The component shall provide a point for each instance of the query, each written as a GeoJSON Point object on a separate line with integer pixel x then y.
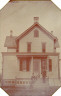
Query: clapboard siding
{"type": "Point", "coordinates": [36, 42]}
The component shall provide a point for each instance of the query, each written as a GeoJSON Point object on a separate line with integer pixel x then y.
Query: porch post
{"type": "Point", "coordinates": [47, 67]}
{"type": "Point", "coordinates": [40, 70]}
{"type": "Point", "coordinates": [32, 65]}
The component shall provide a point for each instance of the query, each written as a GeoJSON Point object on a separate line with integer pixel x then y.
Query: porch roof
{"type": "Point", "coordinates": [29, 56]}
{"type": "Point", "coordinates": [30, 53]}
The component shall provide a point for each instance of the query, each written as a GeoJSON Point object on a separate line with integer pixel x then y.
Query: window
{"type": "Point", "coordinates": [50, 65]}
{"type": "Point", "coordinates": [29, 47]}
{"type": "Point", "coordinates": [43, 47]}
{"type": "Point", "coordinates": [36, 33]}
{"type": "Point", "coordinates": [25, 64]}
{"type": "Point", "coordinates": [22, 65]}
{"type": "Point", "coordinates": [36, 63]}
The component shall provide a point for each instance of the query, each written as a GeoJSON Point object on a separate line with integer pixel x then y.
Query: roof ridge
{"type": "Point", "coordinates": [36, 23]}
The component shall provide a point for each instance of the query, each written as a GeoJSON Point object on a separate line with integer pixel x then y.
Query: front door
{"type": "Point", "coordinates": [36, 67]}
{"type": "Point", "coordinates": [43, 68]}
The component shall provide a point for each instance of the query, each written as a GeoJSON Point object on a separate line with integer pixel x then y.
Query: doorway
{"type": "Point", "coordinates": [36, 67]}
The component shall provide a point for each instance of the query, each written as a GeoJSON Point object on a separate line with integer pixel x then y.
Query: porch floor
{"type": "Point", "coordinates": [37, 88]}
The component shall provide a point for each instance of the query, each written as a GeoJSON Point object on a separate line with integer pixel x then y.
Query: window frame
{"type": "Point", "coordinates": [36, 33]}
{"type": "Point", "coordinates": [43, 47]}
{"type": "Point", "coordinates": [27, 65]}
{"type": "Point", "coordinates": [24, 65]}
{"type": "Point", "coordinates": [28, 49]}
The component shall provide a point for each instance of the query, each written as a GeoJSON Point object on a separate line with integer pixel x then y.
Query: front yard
{"type": "Point", "coordinates": [43, 91]}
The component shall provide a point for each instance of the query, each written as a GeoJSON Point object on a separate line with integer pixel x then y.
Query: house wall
{"type": "Point", "coordinates": [11, 70]}
{"type": "Point", "coordinates": [36, 42]}
{"type": "Point", "coordinates": [26, 74]}
{"type": "Point", "coordinates": [11, 50]}
{"type": "Point", "coordinates": [10, 67]}
{"type": "Point", "coordinates": [55, 66]}
{"type": "Point", "coordinates": [11, 62]}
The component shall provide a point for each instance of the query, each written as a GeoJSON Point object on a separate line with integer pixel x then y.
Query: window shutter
{"type": "Point", "coordinates": [50, 65]}
{"type": "Point", "coordinates": [43, 47]}
{"type": "Point", "coordinates": [27, 64]}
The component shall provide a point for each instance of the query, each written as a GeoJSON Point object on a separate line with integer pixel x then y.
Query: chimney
{"type": "Point", "coordinates": [11, 32]}
{"type": "Point", "coordinates": [36, 19]}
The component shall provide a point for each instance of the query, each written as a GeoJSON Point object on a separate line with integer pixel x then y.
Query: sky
{"type": "Point", "coordinates": [18, 16]}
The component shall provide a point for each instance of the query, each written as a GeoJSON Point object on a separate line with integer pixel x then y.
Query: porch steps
{"type": "Point", "coordinates": [40, 83]}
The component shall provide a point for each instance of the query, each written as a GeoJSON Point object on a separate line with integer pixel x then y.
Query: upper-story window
{"type": "Point", "coordinates": [29, 47]}
{"type": "Point", "coordinates": [36, 33]}
{"type": "Point", "coordinates": [43, 47]}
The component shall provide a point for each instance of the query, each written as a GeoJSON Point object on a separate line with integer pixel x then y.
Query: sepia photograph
{"type": "Point", "coordinates": [30, 48]}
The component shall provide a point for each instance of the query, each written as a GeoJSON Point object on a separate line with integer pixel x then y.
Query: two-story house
{"type": "Point", "coordinates": [32, 54]}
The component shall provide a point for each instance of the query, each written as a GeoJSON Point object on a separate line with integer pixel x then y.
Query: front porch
{"type": "Point", "coordinates": [33, 67]}
{"type": "Point", "coordinates": [38, 88]}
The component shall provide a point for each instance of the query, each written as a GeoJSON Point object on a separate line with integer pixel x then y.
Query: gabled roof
{"type": "Point", "coordinates": [40, 27]}
{"type": "Point", "coordinates": [10, 42]}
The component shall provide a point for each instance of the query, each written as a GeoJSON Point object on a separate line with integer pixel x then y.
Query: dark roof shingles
{"type": "Point", "coordinates": [10, 42]}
